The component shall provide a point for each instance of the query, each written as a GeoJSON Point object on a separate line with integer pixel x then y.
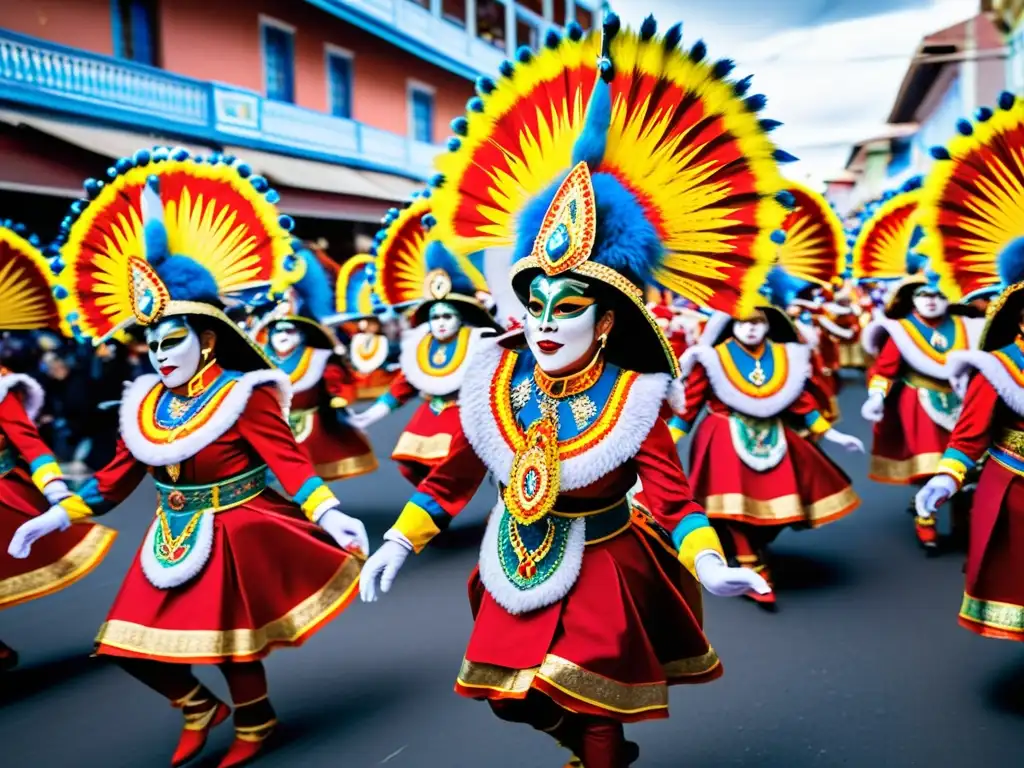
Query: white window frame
{"type": "Point", "coordinates": [417, 86]}
{"type": "Point", "coordinates": [343, 53]}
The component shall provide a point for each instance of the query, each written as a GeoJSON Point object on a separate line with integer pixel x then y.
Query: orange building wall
{"type": "Point", "coordinates": [225, 46]}
{"type": "Point", "coordinates": [75, 23]}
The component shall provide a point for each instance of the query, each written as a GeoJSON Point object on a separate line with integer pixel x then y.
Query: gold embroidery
{"type": "Point", "coordinates": [521, 394]}
{"type": "Point", "coordinates": [902, 472]}
{"type": "Point", "coordinates": [350, 467]}
{"type": "Point", "coordinates": [173, 471]}
{"type": "Point", "coordinates": [782, 510]}
{"type": "Point", "coordinates": [583, 410]}
{"type": "Point", "coordinates": [574, 384]}
{"type": "Point", "coordinates": [236, 643]}
{"type": "Point", "coordinates": [420, 448]}
{"type": "Point", "coordinates": [1005, 617]}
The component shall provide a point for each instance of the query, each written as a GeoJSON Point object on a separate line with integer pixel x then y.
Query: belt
{"type": "Point", "coordinates": [214, 497]}
{"type": "Point", "coordinates": [1011, 441]}
{"type": "Point", "coordinates": [605, 523]}
{"type": "Point", "coordinates": [925, 382]}
{"type": "Point", "coordinates": [8, 461]}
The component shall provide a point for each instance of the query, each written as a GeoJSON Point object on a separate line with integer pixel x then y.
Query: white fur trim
{"type": "Point", "coordinates": [640, 411]}
{"type": "Point", "coordinates": [230, 408]}
{"type": "Point", "coordinates": [713, 328]}
{"type": "Point", "coordinates": [798, 357]}
{"type": "Point", "coordinates": [425, 382]}
{"type": "Point", "coordinates": [315, 372]}
{"type": "Point", "coordinates": [516, 600]}
{"type": "Point", "coordinates": [677, 395]}
{"type": "Point", "coordinates": [31, 391]}
{"type": "Point", "coordinates": [837, 309]}
{"type": "Point", "coordinates": [368, 365]}
{"type": "Point", "coordinates": [836, 330]}
{"type": "Point", "coordinates": [961, 363]}
{"type": "Point", "coordinates": [945, 420]}
{"type": "Point", "coordinates": [168, 577]}
{"type": "Point", "coordinates": [874, 335]}
{"type": "Point", "coordinates": [810, 334]}
{"type": "Point", "coordinates": [757, 463]}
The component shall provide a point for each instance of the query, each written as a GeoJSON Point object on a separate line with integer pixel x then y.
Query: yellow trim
{"type": "Point", "coordinates": [302, 366]}
{"type": "Point", "coordinates": [458, 356]}
{"type": "Point", "coordinates": [413, 447]}
{"type": "Point", "coordinates": [959, 339]}
{"type": "Point", "coordinates": [955, 469]}
{"type": "Point", "coordinates": [46, 473]}
{"type": "Point", "coordinates": [161, 436]}
{"type": "Point", "coordinates": [820, 426]}
{"type": "Point", "coordinates": [677, 434]}
{"type": "Point", "coordinates": [880, 384]}
{"type": "Point", "coordinates": [782, 510]}
{"type": "Point", "coordinates": [76, 508]}
{"type": "Point", "coordinates": [316, 498]}
{"type": "Point", "coordinates": [695, 542]}
{"type": "Point", "coordinates": [346, 468]}
{"type": "Point", "coordinates": [780, 371]}
{"type": "Point", "coordinates": [901, 472]}
{"type": "Point", "coordinates": [416, 524]}
{"type": "Point", "coordinates": [76, 564]}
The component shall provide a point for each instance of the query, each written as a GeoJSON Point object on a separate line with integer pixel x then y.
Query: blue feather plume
{"type": "Point", "coordinates": [1010, 262]}
{"type": "Point", "coordinates": [439, 257]}
{"type": "Point", "coordinates": [314, 289]}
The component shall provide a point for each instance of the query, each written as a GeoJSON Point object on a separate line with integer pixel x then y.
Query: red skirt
{"type": "Point", "coordinates": [907, 443]}
{"type": "Point", "coordinates": [806, 488]}
{"type": "Point", "coordinates": [336, 451]}
{"type": "Point", "coordinates": [370, 386]}
{"type": "Point", "coordinates": [57, 560]}
{"type": "Point", "coordinates": [272, 579]}
{"type": "Point", "coordinates": [628, 629]}
{"type": "Point", "coordinates": [426, 441]}
{"type": "Point", "coordinates": [993, 604]}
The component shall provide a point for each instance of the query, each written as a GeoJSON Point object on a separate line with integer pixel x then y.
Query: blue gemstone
{"type": "Point", "coordinates": [572, 210]}
{"type": "Point", "coordinates": [558, 243]}
{"type": "Point", "coordinates": [530, 483]}
{"type": "Point", "coordinates": [146, 304]}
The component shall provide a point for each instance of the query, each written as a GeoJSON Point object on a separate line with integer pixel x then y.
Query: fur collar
{"type": "Point", "coordinates": [32, 393]}
{"type": "Point", "coordinates": [425, 382]}
{"type": "Point", "coordinates": [314, 372]}
{"type": "Point", "coordinates": [960, 365]}
{"type": "Point", "coordinates": [809, 333]}
{"type": "Point", "coordinates": [228, 412]}
{"type": "Point", "coordinates": [713, 328]}
{"type": "Point", "coordinates": [798, 357]}
{"type": "Point", "coordinates": [846, 334]}
{"type": "Point", "coordinates": [367, 365]}
{"type": "Point", "coordinates": [873, 338]}
{"type": "Point", "coordinates": [640, 410]}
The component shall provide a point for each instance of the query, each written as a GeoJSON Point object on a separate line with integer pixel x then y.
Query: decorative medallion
{"type": "Point", "coordinates": [175, 535]}
{"type": "Point", "coordinates": [438, 284]}
{"type": "Point", "coordinates": [173, 471]}
{"type": "Point", "coordinates": [939, 341]}
{"type": "Point", "coordinates": [757, 376]}
{"type": "Point", "coordinates": [146, 291]}
{"type": "Point", "coordinates": [536, 474]}
{"type": "Point", "coordinates": [176, 500]}
{"type": "Point", "coordinates": [566, 237]}
{"type": "Point", "coordinates": [531, 554]}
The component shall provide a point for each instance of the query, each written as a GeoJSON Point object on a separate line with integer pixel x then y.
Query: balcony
{"type": "Point", "coordinates": [44, 76]}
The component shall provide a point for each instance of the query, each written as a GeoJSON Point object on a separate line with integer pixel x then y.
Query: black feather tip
{"type": "Point", "coordinates": [698, 51]}
{"type": "Point", "coordinates": [741, 87]}
{"type": "Point", "coordinates": [723, 67]}
{"type": "Point", "coordinates": [782, 156]}
{"type": "Point", "coordinates": [786, 199]}
{"type": "Point", "coordinates": [756, 103]}
{"type": "Point", "coordinates": [552, 38]}
{"type": "Point", "coordinates": [484, 86]}
{"type": "Point", "coordinates": [940, 153]}
{"type": "Point", "coordinates": [648, 29]}
{"type": "Point", "coordinates": [574, 31]}
{"type": "Point", "coordinates": [1007, 100]}
{"type": "Point", "coordinates": [673, 37]}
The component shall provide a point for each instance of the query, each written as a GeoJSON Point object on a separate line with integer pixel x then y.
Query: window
{"type": "Point", "coordinates": [278, 61]}
{"type": "Point", "coordinates": [421, 105]}
{"type": "Point", "coordinates": [490, 23]}
{"type": "Point", "coordinates": [527, 31]}
{"type": "Point", "coordinates": [135, 31]}
{"type": "Point", "coordinates": [584, 17]}
{"type": "Point", "coordinates": [454, 11]}
{"type": "Point", "coordinates": [339, 82]}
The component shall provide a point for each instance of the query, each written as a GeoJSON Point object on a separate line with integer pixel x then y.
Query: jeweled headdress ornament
{"type": "Point", "coordinates": [972, 207]}
{"type": "Point", "coordinates": [172, 234]}
{"type": "Point", "coordinates": [622, 159]}
{"type": "Point", "coordinates": [27, 301]}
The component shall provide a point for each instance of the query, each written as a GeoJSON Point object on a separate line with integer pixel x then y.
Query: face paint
{"type": "Point", "coordinates": [285, 338]}
{"type": "Point", "coordinates": [751, 331]}
{"type": "Point", "coordinates": [930, 304]}
{"type": "Point", "coordinates": [444, 321]}
{"type": "Point", "coordinates": [174, 351]}
{"type": "Point", "coordinates": [561, 323]}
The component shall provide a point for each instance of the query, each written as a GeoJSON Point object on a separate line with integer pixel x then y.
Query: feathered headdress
{"type": "Point", "coordinates": [972, 207]}
{"type": "Point", "coordinates": [172, 234]}
{"type": "Point", "coordinates": [353, 290]}
{"type": "Point", "coordinates": [308, 303]}
{"type": "Point", "coordinates": [27, 283]}
{"type": "Point", "coordinates": [624, 160]}
{"type": "Point", "coordinates": [887, 236]}
{"type": "Point", "coordinates": [814, 249]}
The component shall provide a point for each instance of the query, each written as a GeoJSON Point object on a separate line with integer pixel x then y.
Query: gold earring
{"type": "Point", "coordinates": [206, 354]}
{"type": "Point", "coordinates": [603, 340]}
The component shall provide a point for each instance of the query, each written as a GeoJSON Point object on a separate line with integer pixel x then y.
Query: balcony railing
{"type": "Point", "coordinates": [53, 78]}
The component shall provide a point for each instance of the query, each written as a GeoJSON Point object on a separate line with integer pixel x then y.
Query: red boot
{"type": "Point", "coordinates": [203, 712]}
{"type": "Point", "coordinates": [926, 533]}
{"type": "Point", "coordinates": [765, 601]}
{"type": "Point", "coordinates": [250, 739]}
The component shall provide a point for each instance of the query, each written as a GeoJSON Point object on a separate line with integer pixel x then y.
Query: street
{"type": "Point", "coordinates": [863, 664]}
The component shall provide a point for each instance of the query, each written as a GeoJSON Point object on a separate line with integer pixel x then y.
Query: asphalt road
{"type": "Point", "coordinates": [863, 665]}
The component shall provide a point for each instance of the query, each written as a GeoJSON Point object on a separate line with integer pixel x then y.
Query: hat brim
{"type": "Point", "coordinates": [1003, 326]}
{"type": "Point", "coordinates": [471, 311]}
{"type": "Point", "coordinates": [781, 329]}
{"type": "Point", "coordinates": [234, 350]}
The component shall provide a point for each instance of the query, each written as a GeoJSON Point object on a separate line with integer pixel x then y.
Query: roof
{"type": "Point", "coordinates": [885, 135]}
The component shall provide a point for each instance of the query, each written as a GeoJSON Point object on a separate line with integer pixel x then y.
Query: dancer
{"type": "Point", "coordinates": [208, 426]}
{"type": "Point", "coordinates": [976, 180]}
{"type": "Point", "coordinates": [750, 468]}
{"type": "Point", "coordinates": [586, 608]}
{"type": "Point", "coordinates": [300, 343]}
{"type": "Point", "coordinates": [447, 323]}
{"type": "Point", "coordinates": [30, 480]}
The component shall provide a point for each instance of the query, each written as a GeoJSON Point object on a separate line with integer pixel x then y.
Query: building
{"type": "Point", "coordinates": [341, 104]}
{"type": "Point", "coordinates": [952, 73]}
{"type": "Point", "coordinates": [1008, 16]}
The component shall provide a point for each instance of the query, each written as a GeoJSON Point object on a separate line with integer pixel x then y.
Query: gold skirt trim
{"type": "Point", "coordinates": [852, 355]}
{"type": "Point", "coordinates": [418, 448]}
{"type": "Point", "coordinates": [583, 685]}
{"type": "Point", "coordinates": [236, 643]}
{"type": "Point", "coordinates": [1005, 617]}
{"type": "Point", "coordinates": [782, 510]}
{"type": "Point", "coordinates": [76, 564]}
{"type": "Point", "coordinates": [371, 393]}
{"type": "Point", "coordinates": [902, 472]}
{"type": "Point", "coordinates": [353, 466]}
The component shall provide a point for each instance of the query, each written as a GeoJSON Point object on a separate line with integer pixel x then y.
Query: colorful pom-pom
{"type": "Point", "coordinates": [287, 222]}
{"type": "Point", "coordinates": [259, 183]}
{"type": "Point", "coordinates": [1006, 100]}
{"type": "Point", "coordinates": [778, 237]}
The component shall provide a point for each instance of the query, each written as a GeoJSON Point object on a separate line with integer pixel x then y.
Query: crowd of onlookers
{"type": "Point", "coordinates": [83, 384]}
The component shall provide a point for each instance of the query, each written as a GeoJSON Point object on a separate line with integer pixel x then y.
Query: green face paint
{"type": "Point", "coordinates": [557, 298]}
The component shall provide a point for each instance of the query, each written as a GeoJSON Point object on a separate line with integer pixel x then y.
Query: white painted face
{"type": "Point", "coordinates": [752, 331]}
{"type": "Point", "coordinates": [929, 303]}
{"type": "Point", "coordinates": [174, 351]}
{"type": "Point", "coordinates": [285, 338]}
{"type": "Point", "coordinates": [561, 323]}
{"type": "Point", "coordinates": [444, 321]}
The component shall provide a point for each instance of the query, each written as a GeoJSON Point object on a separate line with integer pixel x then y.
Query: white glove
{"type": "Point", "coordinates": [722, 581]}
{"type": "Point", "coordinates": [383, 565]}
{"type": "Point", "coordinates": [348, 532]}
{"type": "Point", "coordinates": [874, 407]}
{"type": "Point", "coordinates": [934, 493]}
{"type": "Point", "coordinates": [370, 416]}
{"type": "Point", "coordinates": [53, 519]}
{"type": "Point", "coordinates": [843, 440]}
{"type": "Point", "coordinates": [56, 491]}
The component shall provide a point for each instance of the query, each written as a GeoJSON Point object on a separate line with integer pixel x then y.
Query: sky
{"type": "Point", "coordinates": [830, 68]}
